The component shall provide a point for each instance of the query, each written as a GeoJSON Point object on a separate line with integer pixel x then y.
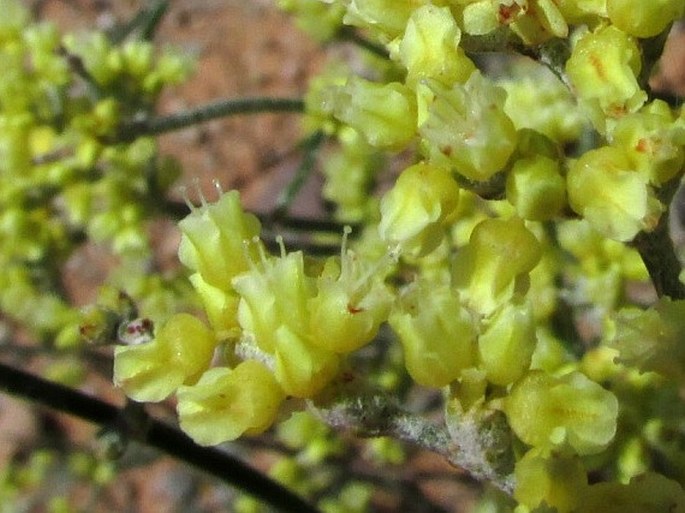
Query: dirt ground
{"type": "Point", "coordinates": [242, 48]}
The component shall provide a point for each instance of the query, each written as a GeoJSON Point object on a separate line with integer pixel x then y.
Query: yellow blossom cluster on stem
{"type": "Point", "coordinates": [529, 195]}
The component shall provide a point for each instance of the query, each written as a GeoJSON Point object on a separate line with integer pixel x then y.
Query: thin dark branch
{"type": "Point", "coordinates": [145, 22]}
{"type": "Point", "coordinates": [310, 148]}
{"type": "Point", "coordinates": [674, 100]}
{"type": "Point", "coordinates": [651, 49]}
{"type": "Point", "coordinates": [157, 434]}
{"type": "Point", "coordinates": [219, 109]}
{"type": "Point", "coordinates": [658, 253]}
{"type": "Point", "coordinates": [349, 34]}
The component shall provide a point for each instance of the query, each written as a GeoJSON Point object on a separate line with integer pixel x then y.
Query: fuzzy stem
{"type": "Point", "coordinates": [219, 109]}
{"type": "Point", "coordinates": [155, 434]}
{"type": "Point", "coordinates": [375, 414]}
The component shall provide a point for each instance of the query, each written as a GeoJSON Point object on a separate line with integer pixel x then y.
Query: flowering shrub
{"type": "Point", "coordinates": [535, 187]}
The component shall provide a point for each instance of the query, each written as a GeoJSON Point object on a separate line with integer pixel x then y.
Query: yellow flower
{"type": "Point", "coordinates": [415, 211]}
{"type": "Point", "coordinates": [180, 352]}
{"type": "Point", "coordinates": [228, 403]}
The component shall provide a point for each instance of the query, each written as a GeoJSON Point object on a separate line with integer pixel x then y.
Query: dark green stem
{"type": "Point", "coordinates": [498, 40]}
{"type": "Point", "coordinates": [219, 109]}
{"type": "Point", "coordinates": [349, 34]}
{"type": "Point", "coordinates": [311, 147]}
{"type": "Point", "coordinates": [651, 49]}
{"type": "Point", "coordinates": [156, 434]}
{"type": "Point", "coordinates": [658, 253]}
{"type": "Point", "coordinates": [492, 189]}
{"type": "Point", "coordinates": [145, 21]}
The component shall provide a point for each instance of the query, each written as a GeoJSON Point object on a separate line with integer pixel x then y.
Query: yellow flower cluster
{"type": "Point", "coordinates": [514, 209]}
{"type": "Point", "coordinates": [284, 325]}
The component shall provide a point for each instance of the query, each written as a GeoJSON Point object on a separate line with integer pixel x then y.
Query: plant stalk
{"type": "Point", "coordinates": [131, 130]}
{"type": "Point", "coordinates": [156, 434]}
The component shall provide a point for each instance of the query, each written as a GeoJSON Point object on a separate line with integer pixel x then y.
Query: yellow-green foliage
{"type": "Point", "coordinates": [491, 260]}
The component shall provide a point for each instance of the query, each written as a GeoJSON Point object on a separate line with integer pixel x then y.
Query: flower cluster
{"type": "Point", "coordinates": [279, 322]}
{"type": "Point", "coordinates": [504, 233]}
{"type": "Point", "coordinates": [66, 173]}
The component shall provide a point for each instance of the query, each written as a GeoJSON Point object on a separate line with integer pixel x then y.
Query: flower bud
{"type": "Point", "coordinates": [646, 493]}
{"type": "Point", "coordinates": [644, 19]}
{"type": "Point", "coordinates": [415, 211]}
{"type": "Point", "coordinates": [181, 350]}
{"type": "Point", "coordinates": [557, 480]}
{"type": "Point", "coordinates": [386, 18]}
{"type": "Point", "coordinates": [651, 141]}
{"type": "Point", "coordinates": [466, 128]}
{"type": "Point", "coordinates": [479, 17]}
{"type": "Point", "coordinates": [536, 188]}
{"type": "Point", "coordinates": [495, 262]}
{"type": "Point", "coordinates": [436, 332]}
{"type": "Point", "coordinates": [507, 343]}
{"type": "Point", "coordinates": [212, 241]}
{"type": "Point", "coordinates": [138, 58]}
{"type": "Point", "coordinates": [321, 20]}
{"type": "Point", "coordinates": [603, 69]}
{"type": "Point", "coordinates": [538, 100]}
{"type": "Point", "coordinates": [570, 412]}
{"type": "Point", "coordinates": [539, 21]}
{"type": "Point", "coordinates": [650, 340]}
{"type": "Point", "coordinates": [227, 403]}
{"type": "Point", "coordinates": [606, 189]}
{"type": "Point", "coordinates": [534, 21]}
{"type": "Point", "coordinates": [430, 47]}
{"type": "Point", "coordinates": [385, 114]}
{"type": "Point", "coordinates": [349, 170]}
{"type": "Point", "coordinates": [578, 12]}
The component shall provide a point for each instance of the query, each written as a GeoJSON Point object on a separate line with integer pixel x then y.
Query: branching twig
{"type": "Point", "coordinates": [156, 434]}
{"type": "Point", "coordinates": [219, 109]}
{"type": "Point", "coordinates": [467, 444]}
{"type": "Point", "coordinates": [145, 22]}
{"type": "Point", "coordinates": [310, 148]}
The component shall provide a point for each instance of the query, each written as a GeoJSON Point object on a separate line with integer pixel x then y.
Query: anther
{"type": "Point", "coordinates": [217, 186]}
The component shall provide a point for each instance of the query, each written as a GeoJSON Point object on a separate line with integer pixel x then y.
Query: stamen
{"type": "Point", "coordinates": [196, 184]}
{"type": "Point", "coordinates": [262, 253]}
{"type": "Point", "coordinates": [375, 269]}
{"type": "Point", "coordinates": [186, 198]}
{"type": "Point", "coordinates": [281, 244]}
